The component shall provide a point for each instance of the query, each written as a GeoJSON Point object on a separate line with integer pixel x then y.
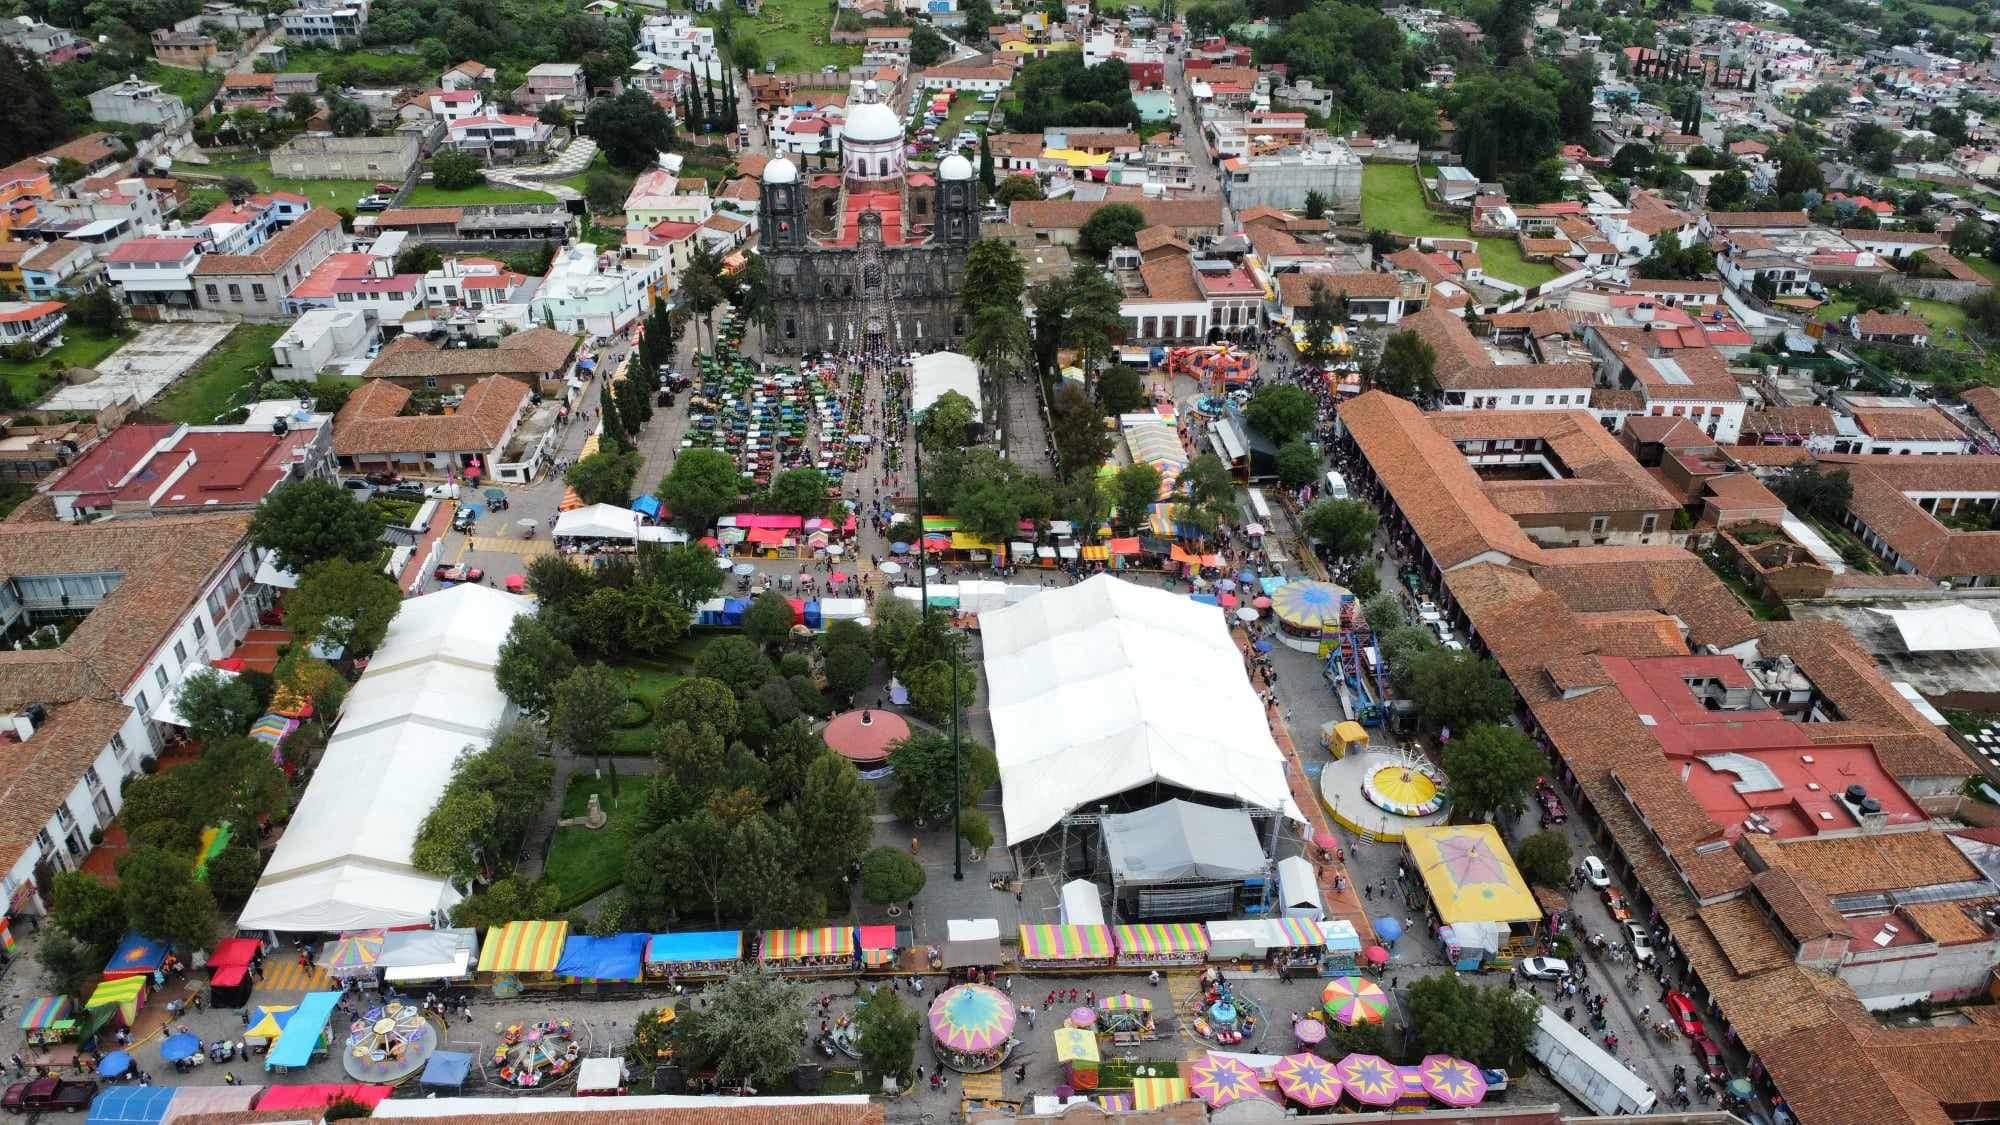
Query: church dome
{"type": "Point", "coordinates": [871, 123]}
{"type": "Point", "coordinates": [954, 167]}
{"type": "Point", "coordinates": [781, 171]}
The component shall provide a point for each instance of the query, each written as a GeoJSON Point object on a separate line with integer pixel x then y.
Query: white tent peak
{"type": "Point", "coordinates": [932, 375]}
{"type": "Point", "coordinates": [599, 521]}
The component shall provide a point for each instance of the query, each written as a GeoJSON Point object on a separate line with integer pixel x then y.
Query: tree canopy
{"type": "Point", "coordinates": [1454, 689]}
{"type": "Point", "coordinates": [746, 1029]}
{"type": "Point", "coordinates": [702, 485]}
{"type": "Point", "coordinates": [1407, 366]}
{"type": "Point", "coordinates": [630, 129]}
{"type": "Point", "coordinates": [1345, 528]}
{"type": "Point", "coordinates": [1281, 412]}
{"type": "Point", "coordinates": [1493, 769]}
{"type": "Point", "coordinates": [343, 602]}
{"type": "Point", "coordinates": [1109, 227]}
{"type": "Point", "coordinates": [1491, 1026]}
{"type": "Point", "coordinates": [310, 521]}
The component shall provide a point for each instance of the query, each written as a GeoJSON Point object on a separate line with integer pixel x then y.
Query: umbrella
{"type": "Point", "coordinates": [528, 523]}
{"type": "Point", "coordinates": [1263, 645]}
{"type": "Point", "coordinates": [1371, 1079]}
{"type": "Point", "coordinates": [516, 583]}
{"type": "Point", "coordinates": [891, 569]}
{"type": "Point", "coordinates": [352, 954]}
{"type": "Point", "coordinates": [1309, 1031]}
{"type": "Point", "coordinates": [1741, 1088]}
{"type": "Point", "coordinates": [1325, 839]}
{"type": "Point", "coordinates": [836, 551]}
{"type": "Point", "coordinates": [1082, 1017]}
{"type": "Point", "coordinates": [972, 1018]}
{"type": "Point", "coordinates": [899, 548]}
{"type": "Point", "coordinates": [1220, 1081]}
{"type": "Point", "coordinates": [178, 1047]}
{"type": "Point", "coordinates": [1307, 1079]}
{"type": "Point", "coordinates": [1377, 955]}
{"type": "Point", "coordinates": [267, 1020]}
{"type": "Point", "coordinates": [1254, 529]}
{"type": "Point", "coordinates": [1261, 603]}
{"type": "Point", "coordinates": [114, 1064]}
{"type": "Point", "coordinates": [1228, 601]}
{"type": "Point", "coordinates": [1246, 615]}
{"type": "Point", "coordinates": [496, 494]}
{"type": "Point", "coordinates": [1246, 576]}
{"type": "Point", "coordinates": [1452, 1081]}
{"type": "Point", "coordinates": [837, 576]}
{"type": "Point", "coordinates": [743, 570]}
{"type": "Point", "coordinates": [723, 564]}
{"type": "Point", "coordinates": [930, 572]}
{"type": "Point", "coordinates": [1227, 585]}
{"type": "Point", "coordinates": [1353, 1000]}
{"type": "Point", "coordinates": [1388, 929]}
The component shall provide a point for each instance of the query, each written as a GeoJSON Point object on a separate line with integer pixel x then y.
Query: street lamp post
{"type": "Point", "coordinates": [924, 593]}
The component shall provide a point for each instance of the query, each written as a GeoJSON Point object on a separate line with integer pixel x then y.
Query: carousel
{"type": "Point", "coordinates": [1307, 611]}
{"type": "Point", "coordinates": [1379, 794]}
{"type": "Point", "coordinates": [1216, 366]}
{"type": "Point", "coordinates": [1222, 1014]}
{"type": "Point", "coordinates": [534, 1055]}
{"type": "Point", "coordinates": [386, 1045]}
{"type": "Point", "coordinates": [972, 1027]}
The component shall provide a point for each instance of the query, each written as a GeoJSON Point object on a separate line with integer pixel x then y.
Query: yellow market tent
{"type": "Point", "coordinates": [1470, 876]}
{"type": "Point", "coordinates": [123, 993]}
{"type": "Point", "coordinates": [523, 947]}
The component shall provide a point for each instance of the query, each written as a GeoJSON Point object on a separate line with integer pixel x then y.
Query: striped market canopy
{"type": "Point", "coordinates": [1163, 937]}
{"type": "Point", "coordinates": [523, 947]}
{"type": "Point", "coordinates": [790, 945]}
{"type": "Point", "coordinates": [1299, 932]}
{"type": "Point", "coordinates": [44, 1011]}
{"type": "Point", "coordinates": [1065, 943]}
{"type": "Point", "coordinates": [1152, 1093]}
{"type": "Point", "coordinates": [1125, 1002]}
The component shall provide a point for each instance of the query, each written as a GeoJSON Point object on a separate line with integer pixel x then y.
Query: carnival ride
{"type": "Point", "coordinates": [533, 1055]}
{"type": "Point", "coordinates": [1223, 1014]}
{"type": "Point", "coordinates": [388, 1044]}
{"type": "Point", "coordinates": [1379, 793]}
{"type": "Point", "coordinates": [1215, 366]}
{"type": "Point", "coordinates": [972, 1027]}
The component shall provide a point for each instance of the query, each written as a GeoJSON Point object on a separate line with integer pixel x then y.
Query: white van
{"type": "Point", "coordinates": [1336, 487]}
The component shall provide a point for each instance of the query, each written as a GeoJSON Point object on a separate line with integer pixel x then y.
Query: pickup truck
{"type": "Point", "coordinates": [47, 1093]}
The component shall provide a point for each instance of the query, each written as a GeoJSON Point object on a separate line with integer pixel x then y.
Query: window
{"type": "Point", "coordinates": [256, 292]}
{"type": "Point", "coordinates": [430, 381]}
{"type": "Point", "coordinates": [44, 841]}
{"type": "Point", "coordinates": [64, 817]}
{"type": "Point", "coordinates": [214, 294]}
{"type": "Point", "coordinates": [236, 292]}
{"type": "Point", "coordinates": [160, 676]}
{"type": "Point", "coordinates": [1599, 524]}
{"type": "Point", "coordinates": [180, 652]}
{"type": "Point", "coordinates": [1647, 524]}
{"type": "Point", "coordinates": [200, 630]}
{"type": "Point", "coordinates": [145, 707]}
{"type": "Point", "coordinates": [91, 779]}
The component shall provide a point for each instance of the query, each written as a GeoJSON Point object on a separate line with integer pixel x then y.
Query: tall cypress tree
{"type": "Point", "coordinates": [985, 165]}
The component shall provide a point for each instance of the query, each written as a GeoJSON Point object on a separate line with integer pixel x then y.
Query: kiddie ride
{"type": "Point", "coordinates": [1213, 365]}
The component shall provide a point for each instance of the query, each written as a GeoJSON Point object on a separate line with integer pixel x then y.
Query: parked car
{"type": "Point", "coordinates": [1685, 1016]}
{"type": "Point", "coordinates": [1614, 902]}
{"type": "Point", "coordinates": [458, 573]}
{"type": "Point", "coordinates": [441, 492]}
{"type": "Point", "coordinates": [1597, 874]}
{"type": "Point", "coordinates": [1709, 1056]}
{"type": "Point", "coordinates": [47, 1093]}
{"type": "Point", "coordinates": [1641, 943]}
{"type": "Point", "coordinates": [1544, 968]}
{"type": "Point", "coordinates": [1553, 811]}
{"type": "Point", "coordinates": [384, 476]}
{"type": "Point", "coordinates": [372, 203]}
{"type": "Point", "coordinates": [360, 489]}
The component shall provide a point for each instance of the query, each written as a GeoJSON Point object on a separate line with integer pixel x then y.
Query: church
{"type": "Point", "coordinates": [871, 257]}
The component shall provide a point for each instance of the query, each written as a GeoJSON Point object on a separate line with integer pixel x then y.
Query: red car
{"type": "Point", "coordinates": [1614, 901]}
{"type": "Point", "coordinates": [48, 1093]}
{"type": "Point", "coordinates": [458, 573]}
{"type": "Point", "coordinates": [1710, 1057]}
{"type": "Point", "coordinates": [1683, 1011]}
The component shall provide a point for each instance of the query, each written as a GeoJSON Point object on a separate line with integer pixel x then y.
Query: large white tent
{"type": "Point", "coordinates": [934, 374]}
{"type": "Point", "coordinates": [598, 521]}
{"type": "Point", "coordinates": [1944, 628]}
{"type": "Point", "coordinates": [1103, 687]}
{"type": "Point", "coordinates": [428, 693]}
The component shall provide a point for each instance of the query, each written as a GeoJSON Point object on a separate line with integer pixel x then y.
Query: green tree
{"type": "Point", "coordinates": [70, 967]}
{"type": "Point", "coordinates": [1544, 859]}
{"type": "Point", "coordinates": [88, 909]}
{"type": "Point", "coordinates": [1489, 1026]}
{"type": "Point", "coordinates": [1076, 426]}
{"type": "Point", "coordinates": [40, 120]}
{"type": "Point", "coordinates": [700, 701]}
{"type": "Point", "coordinates": [1344, 527]}
{"type": "Point", "coordinates": [1109, 227]}
{"type": "Point", "coordinates": [1383, 612]}
{"type": "Point", "coordinates": [927, 47]}
{"type": "Point", "coordinates": [164, 900]}
{"type": "Point", "coordinates": [347, 603]}
{"type": "Point", "coordinates": [1281, 412]}
{"type": "Point", "coordinates": [846, 661]}
{"type": "Point", "coordinates": [1315, 205]}
{"type": "Point", "coordinates": [798, 492]}
{"type": "Point", "coordinates": [947, 423]}
{"type": "Point", "coordinates": [560, 584]}
{"type": "Point", "coordinates": [1208, 493]}
{"type": "Point", "coordinates": [1122, 390]}
{"type": "Point", "coordinates": [454, 170]}
{"type": "Point", "coordinates": [760, 875]}
{"type": "Point", "coordinates": [1807, 490]}
{"type": "Point", "coordinates": [1324, 312]}
{"type": "Point", "coordinates": [581, 708]}
{"type": "Point", "coordinates": [1407, 367]}
{"type": "Point", "coordinates": [533, 660]}
{"type": "Point", "coordinates": [1728, 191]}
{"type": "Point", "coordinates": [890, 876]}
{"type": "Point", "coordinates": [998, 338]}
{"type": "Point", "coordinates": [217, 706]}
{"type": "Point", "coordinates": [604, 477]}
{"type": "Point", "coordinates": [832, 813]}
{"type": "Point", "coordinates": [736, 661]}
{"type": "Point", "coordinates": [1505, 122]}
{"type": "Point", "coordinates": [310, 521]}
{"type": "Point", "coordinates": [507, 900]}
{"type": "Point", "coordinates": [1018, 188]}
{"type": "Point", "coordinates": [630, 129]}
{"type": "Point", "coordinates": [1297, 464]}
{"type": "Point", "coordinates": [931, 687]}
{"type": "Point", "coordinates": [232, 875]}
{"type": "Point", "coordinates": [685, 570]}
{"type": "Point", "coordinates": [923, 766]}
{"type": "Point", "coordinates": [887, 1033]}
{"type": "Point", "coordinates": [300, 108]}
{"type": "Point", "coordinates": [703, 484]}
{"type": "Point", "coordinates": [746, 1029]}
{"type": "Point", "coordinates": [1455, 689]}
{"type": "Point", "coordinates": [448, 840]}
{"type": "Point", "coordinates": [1137, 489]}
{"type": "Point", "coordinates": [99, 311]}
{"type": "Point", "coordinates": [769, 619]}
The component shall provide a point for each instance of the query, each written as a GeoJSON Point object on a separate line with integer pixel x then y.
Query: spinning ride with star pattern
{"type": "Point", "coordinates": [388, 1044]}
{"type": "Point", "coordinates": [536, 1054]}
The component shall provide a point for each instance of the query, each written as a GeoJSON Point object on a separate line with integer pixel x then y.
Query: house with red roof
{"type": "Point", "coordinates": [31, 325]}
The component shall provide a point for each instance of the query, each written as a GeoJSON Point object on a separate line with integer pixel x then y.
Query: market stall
{"type": "Point", "coordinates": [618, 959]}
{"type": "Point", "coordinates": [136, 956]}
{"type": "Point", "coordinates": [878, 946]}
{"type": "Point", "coordinates": [1298, 889]}
{"type": "Point", "coordinates": [1155, 1092]}
{"type": "Point", "coordinates": [446, 1071]}
{"type": "Point", "coordinates": [827, 949]}
{"type": "Point", "coordinates": [121, 996]}
{"type": "Point", "coordinates": [229, 972]}
{"type": "Point", "coordinates": [1066, 947]}
{"type": "Point", "coordinates": [1157, 944]}
{"type": "Point", "coordinates": [1294, 943]}
{"type": "Point", "coordinates": [971, 942]}
{"type": "Point", "coordinates": [47, 1020]}
{"type": "Point", "coordinates": [1343, 946]}
{"type": "Point", "coordinates": [266, 1022]}
{"type": "Point", "coordinates": [695, 953]}
{"type": "Point", "coordinates": [603, 1077]}
{"type": "Point", "coordinates": [972, 1027]}
{"type": "Point", "coordinates": [320, 1095]}
{"type": "Point", "coordinates": [522, 950]}
{"type": "Point", "coordinates": [1076, 1050]}
{"type": "Point", "coordinates": [1081, 905]}
{"type": "Point", "coordinates": [305, 1036]}
{"type": "Point", "coordinates": [1470, 877]}
{"type": "Point", "coordinates": [428, 956]}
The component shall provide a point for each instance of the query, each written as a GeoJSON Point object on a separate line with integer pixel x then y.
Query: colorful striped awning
{"type": "Point", "coordinates": [1065, 943]}
{"type": "Point", "coordinates": [1125, 1002]}
{"type": "Point", "coordinates": [44, 1011]}
{"type": "Point", "coordinates": [1299, 932]}
{"type": "Point", "coordinates": [790, 945]}
{"type": "Point", "coordinates": [1152, 1093]}
{"type": "Point", "coordinates": [122, 993]}
{"type": "Point", "coordinates": [1163, 937]}
{"type": "Point", "coordinates": [524, 947]}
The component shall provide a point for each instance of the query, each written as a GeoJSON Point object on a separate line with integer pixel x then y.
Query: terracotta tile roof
{"type": "Point", "coordinates": [1463, 365]}
{"type": "Point", "coordinates": [1758, 220]}
{"type": "Point", "coordinates": [534, 351]}
{"type": "Point", "coordinates": [1909, 423]}
{"type": "Point", "coordinates": [419, 216]}
{"type": "Point", "coordinates": [1894, 237]}
{"type": "Point", "coordinates": [1799, 904]}
{"type": "Point", "coordinates": [271, 257]}
{"type": "Point", "coordinates": [1431, 483]}
{"type": "Point", "coordinates": [1881, 502]}
{"type": "Point", "coordinates": [1070, 214]}
{"type": "Point", "coordinates": [1700, 374]}
{"type": "Point", "coordinates": [479, 426]}
{"type": "Point", "coordinates": [1170, 278]}
{"type": "Point", "coordinates": [1153, 238]}
{"type": "Point", "coordinates": [1603, 476]}
{"type": "Point", "coordinates": [1884, 861]}
{"type": "Point", "coordinates": [1745, 936]}
{"type": "Point", "coordinates": [1295, 289]}
{"type": "Point", "coordinates": [1891, 324]}
{"type": "Point", "coordinates": [1985, 402]}
{"type": "Point", "coordinates": [1805, 421]}
{"type": "Point", "coordinates": [1951, 923]}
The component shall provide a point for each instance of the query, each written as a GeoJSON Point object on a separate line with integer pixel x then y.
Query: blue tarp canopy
{"type": "Point", "coordinates": [448, 1069]}
{"type": "Point", "coordinates": [1271, 585]}
{"type": "Point", "coordinates": [703, 945]}
{"type": "Point", "coordinates": [648, 506]}
{"type": "Point", "coordinates": [601, 958]}
{"type": "Point", "coordinates": [296, 1044]}
{"type": "Point", "coordinates": [1205, 599]}
{"type": "Point", "coordinates": [131, 1105]}
{"type": "Point", "coordinates": [136, 955]}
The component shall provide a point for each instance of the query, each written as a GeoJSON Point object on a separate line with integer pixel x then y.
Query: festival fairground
{"type": "Point", "coordinates": [1379, 793]}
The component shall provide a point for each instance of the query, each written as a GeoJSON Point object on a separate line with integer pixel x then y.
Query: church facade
{"type": "Point", "coordinates": [873, 256]}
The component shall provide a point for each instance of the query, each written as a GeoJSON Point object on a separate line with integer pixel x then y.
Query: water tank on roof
{"type": "Point", "coordinates": [1856, 792]}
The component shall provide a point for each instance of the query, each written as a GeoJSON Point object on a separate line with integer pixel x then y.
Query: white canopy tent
{"type": "Point", "coordinates": [1944, 628]}
{"type": "Point", "coordinates": [1081, 904]}
{"type": "Point", "coordinates": [934, 374]}
{"type": "Point", "coordinates": [598, 521]}
{"type": "Point", "coordinates": [1104, 687]}
{"type": "Point", "coordinates": [1298, 889]}
{"type": "Point", "coordinates": [428, 693]}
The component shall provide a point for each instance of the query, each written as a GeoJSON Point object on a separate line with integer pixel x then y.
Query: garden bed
{"type": "Point", "coordinates": [584, 863]}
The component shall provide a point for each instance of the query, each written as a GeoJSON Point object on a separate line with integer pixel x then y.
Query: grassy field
{"type": "Point", "coordinates": [792, 34]}
{"type": "Point", "coordinates": [586, 863]}
{"type": "Point", "coordinates": [333, 194]}
{"type": "Point", "coordinates": [1947, 319]}
{"type": "Point", "coordinates": [80, 348]}
{"type": "Point", "coordinates": [195, 87]}
{"type": "Point", "coordinates": [212, 388]}
{"type": "Point", "coordinates": [1393, 200]}
{"type": "Point", "coordinates": [425, 195]}
{"type": "Point", "coordinates": [1985, 266]}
